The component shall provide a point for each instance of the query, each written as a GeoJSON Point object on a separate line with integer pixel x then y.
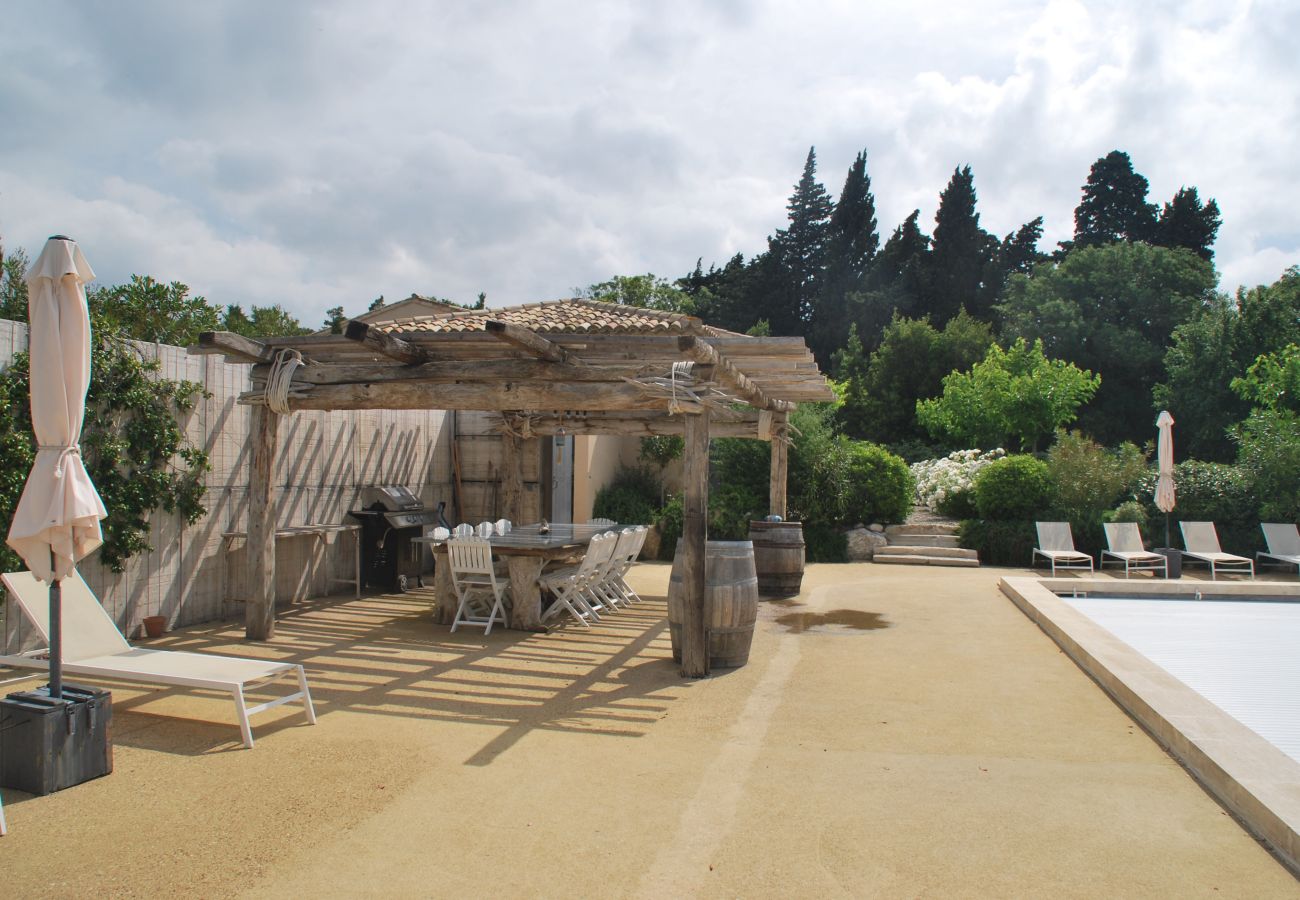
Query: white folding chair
{"type": "Point", "coordinates": [464, 529]}
{"type": "Point", "coordinates": [630, 542]}
{"type": "Point", "coordinates": [440, 533]}
{"type": "Point", "coordinates": [602, 523]}
{"type": "Point", "coordinates": [503, 526]}
{"type": "Point", "coordinates": [485, 529]}
{"type": "Point", "coordinates": [476, 583]}
{"type": "Point", "coordinates": [571, 585]}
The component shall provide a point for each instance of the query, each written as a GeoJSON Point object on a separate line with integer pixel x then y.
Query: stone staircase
{"type": "Point", "coordinates": [925, 540]}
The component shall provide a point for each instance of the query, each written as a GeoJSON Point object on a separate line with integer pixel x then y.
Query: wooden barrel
{"type": "Point", "coordinates": [778, 557]}
{"type": "Point", "coordinates": [730, 602]}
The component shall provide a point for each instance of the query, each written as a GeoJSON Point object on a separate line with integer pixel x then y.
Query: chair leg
{"type": "Point", "coordinates": [241, 713]}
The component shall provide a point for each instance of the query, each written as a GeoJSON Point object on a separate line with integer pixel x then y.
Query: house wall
{"type": "Point", "coordinates": [192, 574]}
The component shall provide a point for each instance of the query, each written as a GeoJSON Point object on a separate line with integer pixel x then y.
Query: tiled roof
{"type": "Point", "coordinates": [555, 317]}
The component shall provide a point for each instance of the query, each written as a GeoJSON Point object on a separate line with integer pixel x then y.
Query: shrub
{"type": "Point", "coordinates": [1017, 487]}
{"type": "Point", "coordinates": [1087, 479]}
{"type": "Point", "coordinates": [1268, 449]}
{"type": "Point", "coordinates": [669, 519]}
{"type": "Point", "coordinates": [1129, 511]}
{"type": "Point", "coordinates": [999, 543]}
{"type": "Point", "coordinates": [731, 508]}
{"type": "Point", "coordinates": [631, 498]}
{"type": "Point", "coordinates": [1211, 492]}
{"type": "Point", "coordinates": [960, 504]}
{"type": "Point", "coordinates": [880, 485]}
{"type": "Point", "coordinates": [938, 480]}
{"type": "Point", "coordinates": [825, 543]}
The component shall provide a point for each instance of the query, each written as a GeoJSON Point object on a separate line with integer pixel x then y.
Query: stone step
{"type": "Point", "coordinates": [908, 539]}
{"type": "Point", "coordinates": [921, 528]}
{"type": "Point", "coordinates": [946, 552]}
{"type": "Point", "coordinates": [905, 560]}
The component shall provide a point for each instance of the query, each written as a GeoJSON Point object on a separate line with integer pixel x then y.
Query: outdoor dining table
{"type": "Point", "coordinates": [526, 550]}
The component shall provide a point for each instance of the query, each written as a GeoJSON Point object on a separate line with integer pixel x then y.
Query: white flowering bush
{"type": "Point", "coordinates": [939, 481]}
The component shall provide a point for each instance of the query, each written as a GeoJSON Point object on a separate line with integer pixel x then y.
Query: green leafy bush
{"type": "Point", "coordinates": [1268, 448]}
{"type": "Point", "coordinates": [999, 543]}
{"type": "Point", "coordinates": [825, 544]}
{"type": "Point", "coordinates": [1129, 511]}
{"type": "Point", "coordinates": [958, 504]}
{"type": "Point", "coordinates": [1088, 479]}
{"type": "Point", "coordinates": [1211, 492]}
{"type": "Point", "coordinates": [1015, 487]}
{"type": "Point", "coordinates": [669, 519]}
{"type": "Point", "coordinates": [631, 498]}
{"type": "Point", "coordinates": [880, 485]}
{"type": "Point", "coordinates": [731, 508]}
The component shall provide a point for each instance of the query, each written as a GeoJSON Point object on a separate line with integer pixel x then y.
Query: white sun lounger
{"type": "Point", "coordinates": [94, 648]}
{"type": "Point", "coordinates": [1125, 542]}
{"type": "Point", "coordinates": [1202, 543]}
{"type": "Point", "coordinates": [1283, 539]}
{"type": "Point", "coordinates": [1056, 544]}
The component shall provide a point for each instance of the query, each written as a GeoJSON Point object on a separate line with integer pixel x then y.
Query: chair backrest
{"type": "Point", "coordinates": [598, 553]}
{"type": "Point", "coordinates": [503, 526]}
{"type": "Point", "coordinates": [1054, 536]}
{"type": "Point", "coordinates": [440, 533]}
{"type": "Point", "coordinates": [470, 556]}
{"type": "Point", "coordinates": [464, 529]}
{"type": "Point", "coordinates": [485, 529]}
{"type": "Point", "coordinates": [628, 546]}
{"type": "Point", "coordinates": [1200, 537]}
{"type": "Point", "coordinates": [1124, 537]}
{"type": "Point", "coordinates": [1283, 538]}
{"type": "Point", "coordinates": [602, 523]}
{"type": "Point", "coordinates": [88, 629]}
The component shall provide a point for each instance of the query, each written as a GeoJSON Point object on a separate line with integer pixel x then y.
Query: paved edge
{"type": "Point", "coordinates": [1256, 781]}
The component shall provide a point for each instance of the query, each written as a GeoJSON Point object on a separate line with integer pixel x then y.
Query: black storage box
{"type": "Point", "coordinates": [1173, 561]}
{"type": "Point", "coordinates": [47, 745]}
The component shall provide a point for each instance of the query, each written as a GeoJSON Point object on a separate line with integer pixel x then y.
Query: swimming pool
{"type": "Point", "coordinates": [1244, 657]}
{"type": "Point", "coordinates": [1164, 656]}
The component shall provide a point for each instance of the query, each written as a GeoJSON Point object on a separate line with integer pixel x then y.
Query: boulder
{"type": "Point", "coordinates": [863, 544]}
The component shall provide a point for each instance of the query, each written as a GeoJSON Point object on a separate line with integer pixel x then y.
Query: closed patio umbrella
{"type": "Point", "coordinates": [1165, 456]}
{"type": "Point", "coordinates": [57, 519]}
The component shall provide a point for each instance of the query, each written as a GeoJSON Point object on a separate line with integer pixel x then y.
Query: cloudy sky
{"type": "Point", "coordinates": [321, 154]}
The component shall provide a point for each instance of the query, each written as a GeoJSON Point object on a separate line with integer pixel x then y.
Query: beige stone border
{"type": "Point", "coordinates": [1255, 780]}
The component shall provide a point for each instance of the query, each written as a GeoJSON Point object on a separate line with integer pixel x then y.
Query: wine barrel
{"type": "Point", "coordinates": [778, 557]}
{"type": "Point", "coordinates": [730, 601]}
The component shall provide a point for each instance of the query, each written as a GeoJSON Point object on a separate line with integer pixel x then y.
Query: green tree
{"type": "Point", "coordinates": [1269, 440]}
{"type": "Point", "coordinates": [1207, 352]}
{"type": "Point", "coordinates": [334, 319]}
{"type": "Point", "coordinates": [852, 242]}
{"type": "Point", "coordinates": [647, 291]}
{"type": "Point", "coordinates": [801, 246]}
{"type": "Point", "coordinates": [265, 321]}
{"type": "Point", "coordinates": [1111, 309]}
{"type": "Point", "coordinates": [13, 285]}
{"type": "Point", "coordinates": [148, 310]}
{"type": "Point", "coordinates": [1114, 205]}
{"type": "Point", "coordinates": [1014, 398]}
{"type": "Point", "coordinates": [959, 255]}
{"type": "Point", "coordinates": [909, 365]}
{"type": "Point", "coordinates": [1185, 222]}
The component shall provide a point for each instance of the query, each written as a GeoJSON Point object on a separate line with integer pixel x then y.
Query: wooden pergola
{"type": "Point", "coordinates": [576, 366]}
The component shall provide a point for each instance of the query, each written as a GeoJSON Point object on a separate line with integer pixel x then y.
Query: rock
{"type": "Point", "coordinates": [863, 544]}
{"type": "Point", "coordinates": [877, 527]}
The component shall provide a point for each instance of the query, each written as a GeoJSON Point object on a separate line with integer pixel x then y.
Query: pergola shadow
{"type": "Point", "coordinates": [384, 656]}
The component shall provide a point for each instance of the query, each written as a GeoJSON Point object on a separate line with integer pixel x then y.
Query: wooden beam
{"type": "Point", "coordinates": [236, 347]}
{"type": "Point", "coordinates": [498, 370]}
{"type": "Point", "coordinates": [695, 634]}
{"type": "Point", "coordinates": [475, 396]}
{"type": "Point", "coordinates": [528, 341]}
{"type": "Point", "coordinates": [776, 505]}
{"type": "Point", "coordinates": [259, 610]}
{"type": "Point", "coordinates": [382, 342]}
{"type": "Point", "coordinates": [642, 425]}
{"type": "Point", "coordinates": [727, 374]}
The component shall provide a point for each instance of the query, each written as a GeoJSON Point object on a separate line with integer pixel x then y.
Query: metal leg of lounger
{"type": "Point", "coordinates": [306, 696]}
{"type": "Point", "coordinates": [241, 713]}
{"type": "Point", "coordinates": [4, 829]}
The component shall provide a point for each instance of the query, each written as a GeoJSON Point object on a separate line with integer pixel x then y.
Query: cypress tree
{"type": "Point", "coordinates": [959, 255]}
{"type": "Point", "coordinates": [851, 245]}
{"type": "Point", "coordinates": [801, 248]}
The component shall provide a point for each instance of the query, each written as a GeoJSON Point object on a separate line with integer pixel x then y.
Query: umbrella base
{"type": "Point", "coordinates": [47, 745]}
{"type": "Point", "coordinates": [1173, 560]}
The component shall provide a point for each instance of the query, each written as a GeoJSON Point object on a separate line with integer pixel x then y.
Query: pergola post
{"type": "Point", "coordinates": [512, 476]}
{"type": "Point", "coordinates": [259, 611]}
{"type": "Point", "coordinates": [695, 638]}
{"type": "Point", "coordinates": [780, 465]}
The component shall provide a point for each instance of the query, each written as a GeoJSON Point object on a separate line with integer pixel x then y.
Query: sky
{"type": "Point", "coordinates": [323, 154]}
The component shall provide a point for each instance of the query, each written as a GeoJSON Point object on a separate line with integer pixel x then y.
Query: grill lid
{"type": "Point", "coordinates": [390, 497]}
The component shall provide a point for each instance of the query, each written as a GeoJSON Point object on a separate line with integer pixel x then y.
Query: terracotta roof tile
{"type": "Point", "coordinates": [555, 317]}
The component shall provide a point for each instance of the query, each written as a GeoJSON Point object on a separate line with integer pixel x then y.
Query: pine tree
{"type": "Point", "coordinates": [851, 245]}
{"type": "Point", "coordinates": [1114, 205]}
{"type": "Point", "coordinates": [1184, 222]}
{"type": "Point", "coordinates": [959, 255]}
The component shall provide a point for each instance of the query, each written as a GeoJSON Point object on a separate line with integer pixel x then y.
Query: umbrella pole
{"type": "Point", "coordinates": [1167, 544]}
{"type": "Point", "coordinates": [56, 635]}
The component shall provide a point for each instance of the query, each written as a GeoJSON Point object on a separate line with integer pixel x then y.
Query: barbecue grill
{"type": "Point", "coordinates": [390, 517]}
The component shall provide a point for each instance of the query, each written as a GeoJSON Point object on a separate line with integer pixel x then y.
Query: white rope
{"type": "Point", "coordinates": [278, 382]}
{"type": "Point", "coordinates": [684, 370]}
